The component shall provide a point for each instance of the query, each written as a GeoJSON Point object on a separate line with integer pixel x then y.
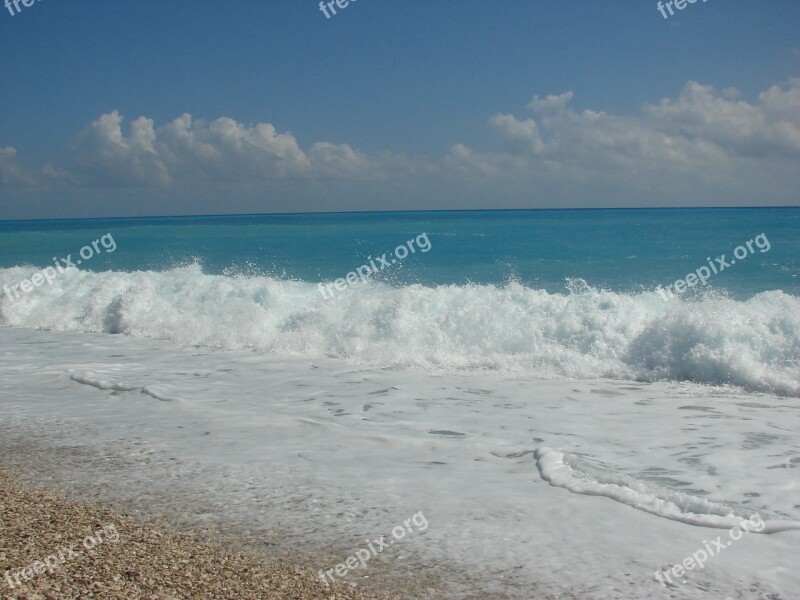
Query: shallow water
{"type": "Point", "coordinates": [338, 452]}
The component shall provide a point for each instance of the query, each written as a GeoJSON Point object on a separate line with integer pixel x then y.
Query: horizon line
{"type": "Point", "coordinates": [428, 210]}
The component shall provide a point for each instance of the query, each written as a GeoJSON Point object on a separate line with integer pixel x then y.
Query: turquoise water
{"type": "Point", "coordinates": [548, 294]}
{"type": "Point", "coordinates": [618, 250]}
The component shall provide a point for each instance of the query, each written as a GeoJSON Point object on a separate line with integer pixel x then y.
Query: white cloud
{"type": "Point", "coordinates": [184, 150]}
{"type": "Point", "coordinates": [551, 103]}
{"type": "Point", "coordinates": [107, 156]}
{"type": "Point", "coordinates": [520, 136]}
{"type": "Point", "coordinates": [702, 137]}
{"type": "Point", "coordinates": [340, 160]}
{"type": "Point", "coordinates": [187, 151]}
{"type": "Point", "coordinates": [770, 127]}
{"type": "Point", "coordinates": [13, 174]}
{"type": "Point", "coordinates": [702, 146]}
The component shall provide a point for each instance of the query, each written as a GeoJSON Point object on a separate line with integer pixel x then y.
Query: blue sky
{"type": "Point", "coordinates": [140, 108]}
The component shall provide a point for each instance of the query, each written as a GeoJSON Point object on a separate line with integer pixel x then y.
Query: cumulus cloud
{"type": "Point", "coordinates": [191, 151]}
{"type": "Point", "coordinates": [550, 103]}
{"type": "Point", "coordinates": [15, 175]}
{"type": "Point", "coordinates": [701, 135]}
{"type": "Point", "coordinates": [702, 145]}
{"type": "Point", "coordinates": [106, 155]}
{"type": "Point", "coordinates": [11, 173]}
{"type": "Point", "coordinates": [770, 127]}
{"type": "Point", "coordinates": [520, 136]}
{"type": "Point", "coordinates": [340, 160]}
{"type": "Point", "coordinates": [185, 150]}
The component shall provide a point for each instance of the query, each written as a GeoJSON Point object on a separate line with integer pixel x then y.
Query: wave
{"type": "Point", "coordinates": [586, 333]}
{"type": "Point", "coordinates": [581, 477]}
{"type": "Point", "coordinates": [162, 393]}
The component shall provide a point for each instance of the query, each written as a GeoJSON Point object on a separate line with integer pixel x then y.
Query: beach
{"type": "Point", "coordinates": [342, 454]}
{"type": "Point", "coordinates": [53, 548]}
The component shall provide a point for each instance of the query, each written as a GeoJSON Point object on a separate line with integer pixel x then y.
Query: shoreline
{"type": "Point", "coordinates": [54, 547]}
{"type": "Point", "coordinates": [38, 477]}
{"type": "Point", "coordinates": [181, 464]}
{"type": "Point", "coordinates": [308, 462]}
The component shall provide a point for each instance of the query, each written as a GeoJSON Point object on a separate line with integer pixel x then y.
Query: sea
{"type": "Point", "coordinates": [575, 400]}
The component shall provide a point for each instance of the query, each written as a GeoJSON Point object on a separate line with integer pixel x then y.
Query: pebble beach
{"type": "Point", "coordinates": [55, 548]}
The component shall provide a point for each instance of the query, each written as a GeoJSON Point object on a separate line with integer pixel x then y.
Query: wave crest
{"type": "Point", "coordinates": [586, 333]}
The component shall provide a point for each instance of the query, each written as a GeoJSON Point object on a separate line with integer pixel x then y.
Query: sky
{"type": "Point", "coordinates": [140, 108]}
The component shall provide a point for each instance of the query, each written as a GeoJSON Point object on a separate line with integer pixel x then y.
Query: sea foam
{"type": "Point", "coordinates": [585, 333]}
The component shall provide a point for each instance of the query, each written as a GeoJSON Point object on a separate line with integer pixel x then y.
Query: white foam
{"type": "Point", "coordinates": [586, 333]}
{"type": "Point", "coordinates": [331, 452]}
{"type": "Point", "coordinates": [580, 477]}
{"type": "Point", "coordinates": [101, 384]}
{"type": "Point", "coordinates": [160, 392]}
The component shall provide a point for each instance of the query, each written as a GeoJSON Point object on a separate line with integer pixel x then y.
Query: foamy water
{"type": "Point", "coordinates": [520, 479]}
{"type": "Point", "coordinates": [584, 333]}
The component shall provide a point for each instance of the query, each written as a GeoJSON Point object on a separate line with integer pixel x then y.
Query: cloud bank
{"type": "Point", "coordinates": [703, 143]}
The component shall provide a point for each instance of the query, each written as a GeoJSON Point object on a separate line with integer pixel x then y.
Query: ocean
{"type": "Point", "coordinates": [568, 423]}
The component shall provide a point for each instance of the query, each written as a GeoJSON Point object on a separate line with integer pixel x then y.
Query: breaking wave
{"type": "Point", "coordinates": [586, 333]}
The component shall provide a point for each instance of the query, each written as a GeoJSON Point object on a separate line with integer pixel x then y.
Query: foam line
{"type": "Point", "coordinates": [580, 477]}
